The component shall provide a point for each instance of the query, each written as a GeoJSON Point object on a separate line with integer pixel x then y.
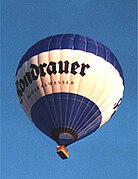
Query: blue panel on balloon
{"type": "Point", "coordinates": [74, 42]}
{"type": "Point", "coordinates": [67, 111]}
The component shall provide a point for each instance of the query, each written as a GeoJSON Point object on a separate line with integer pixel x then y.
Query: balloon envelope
{"type": "Point", "coordinates": [69, 85]}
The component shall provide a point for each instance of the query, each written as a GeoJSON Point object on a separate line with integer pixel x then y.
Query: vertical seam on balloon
{"type": "Point", "coordinates": [47, 100]}
{"type": "Point", "coordinates": [42, 82]}
{"type": "Point", "coordinates": [77, 89]}
{"type": "Point", "coordinates": [67, 100]}
{"type": "Point", "coordinates": [95, 89]}
{"type": "Point", "coordinates": [74, 125]}
{"type": "Point", "coordinates": [52, 86]}
{"type": "Point", "coordinates": [73, 45]}
{"type": "Point", "coordinates": [74, 99]}
{"type": "Point", "coordinates": [78, 120]}
{"type": "Point", "coordinates": [69, 120]}
{"type": "Point", "coordinates": [45, 95]}
{"type": "Point", "coordinates": [60, 84]}
{"type": "Point", "coordinates": [78, 110]}
{"type": "Point", "coordinates": [93, 92]}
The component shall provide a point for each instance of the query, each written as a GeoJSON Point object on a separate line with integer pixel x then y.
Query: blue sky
{"type": "Point", "coordinates": [109, 153]}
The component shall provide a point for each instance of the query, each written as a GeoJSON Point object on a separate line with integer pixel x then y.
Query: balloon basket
{"type": "Point", "coordinates": [62, 152]}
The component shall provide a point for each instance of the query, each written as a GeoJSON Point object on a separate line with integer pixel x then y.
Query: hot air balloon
{"type": "Point", "coordinates": [69, 86]}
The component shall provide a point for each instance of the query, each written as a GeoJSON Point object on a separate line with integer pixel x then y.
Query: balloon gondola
{"type": "Point", "coordinates": [69, 86]}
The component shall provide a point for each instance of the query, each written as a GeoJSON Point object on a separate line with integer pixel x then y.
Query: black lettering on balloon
{"type": "Point", "coordinates": [65, 68]}
{"type": "Point", "coordinates": [34, 71]}
{"type": "Point", "coordinates": [83, 66]}
{"type": "Point", "coordinates": [27, 78]}
{"type": "Point", "coordinates": [74, 66]}
{"type": "Point", "coordinates": [117, 104]}
{"type": "Point", "coordinates": [113, 113]}
{"type": "Point", "coordinates": [41, 67]}
{"type": "Point", "coordinates": [51, 69]}
{"type": "Point", "coordinates": [19, 92]}
{"type": "Point", "coordinates": [22, 85]}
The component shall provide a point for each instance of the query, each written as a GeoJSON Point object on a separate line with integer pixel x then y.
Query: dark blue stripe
{"type": "Point", "coordinates": [66, 110]}
{"type": "Point", "coordinates": [75, 42]}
